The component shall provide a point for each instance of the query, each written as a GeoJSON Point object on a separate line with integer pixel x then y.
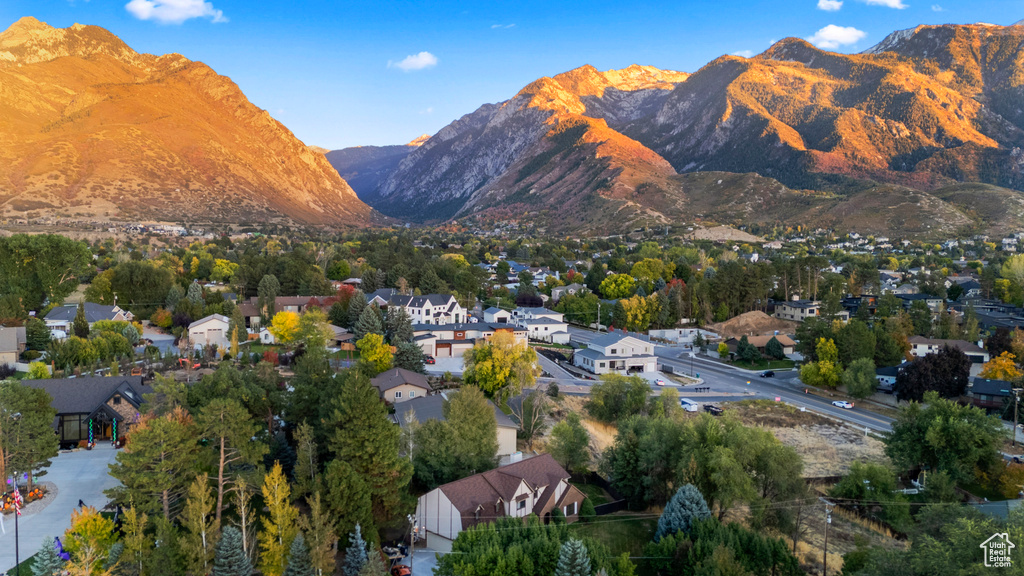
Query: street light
{"type": "Point", "coordinates": [1016, 401]}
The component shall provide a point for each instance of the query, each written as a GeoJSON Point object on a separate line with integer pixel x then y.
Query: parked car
{"type": "Point", "coordinates": [400, 570]}
{"type": "Point", "coordinates": [768, 374]}
{"type": "Point", "coordinates": [713, 410]}
{"type": "Point", "coordinates": [429, 360]}
{"type": "Point", "coordinates": [843, 404]}
{"type": "Point", "coordinates": [659, 382]}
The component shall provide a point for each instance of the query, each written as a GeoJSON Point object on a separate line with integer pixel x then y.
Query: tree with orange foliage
{"type": "Point", "coordinates": [1002, 367]}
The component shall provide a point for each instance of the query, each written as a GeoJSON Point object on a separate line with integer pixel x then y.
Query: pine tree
{"type": "Point", "coordinates": [774, 348]}
{"type": "Point", "coordinates": [201, 526]}
{"type": "Point", "coordinates": [686, 506]}
{"type": "Point", "coordinates": [573, 559]}
{"type": "Point", "coordinates": [355, 555]}
{"type": "Point", "coordinates": [374, 566]}
{"type": "Point", "coordinates": [356, 305]}
{"type": "Point", "coordinates": [398, 326]}
{"type": "Point", "coordinates": [80, 326]}
{"type": "Point", "coordinates": [409, 355]}
{"type": "Point", "coordinates": [231, 559]}
{"type": "Point", "coordinates": [298, 559]}
{"type": "Point", "coordinates": [195, 294]}
{"type": "Point", "coordinates": [174, 295]}
{"type": "Point", "coordinates": [266, 296]}
{"type": "Point", "coordinates": [279, 527]}
{"type": "Point", "coordinates": [46, 562]}
{"type": "Point", "coordinates": [318, 528]}
{"type": "Point", "coordinates": [369, 322]}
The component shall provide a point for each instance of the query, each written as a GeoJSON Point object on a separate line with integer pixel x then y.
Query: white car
{"type": "Point", "coordinates": [843, 404]}
{"type": "Point", "coordinates": [659, 382]}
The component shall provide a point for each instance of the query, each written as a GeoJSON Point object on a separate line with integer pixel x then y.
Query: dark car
{"type": "Point", "coordinates": [713, 410]}
{"type": "Point", "coordinates": [429, 359]}
{"type": "Point", "coordinates": [767, 374]}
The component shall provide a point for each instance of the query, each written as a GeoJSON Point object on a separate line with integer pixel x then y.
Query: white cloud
{"type": "Point", "coordinates": [898, 4]}
{"type": "Point", "coordinates": [415, 62]}
{"type": "Point", "coordinates": [937, 8]}
{"type": "Point", "coordinates": [495, 26]}
{"type": "Point", "coordinates": [174, 11]}
{"type": "Point", "coordinates": [830, 5]}
{"type": "Point", "coordinates": [831, 37]}
{"type": "Point", "coordinates": [428, 110]}
{"type": "Point", "coordinates": [743, 53]}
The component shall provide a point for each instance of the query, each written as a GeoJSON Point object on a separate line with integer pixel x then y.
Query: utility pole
{"type": "Point", "coordinates": [828, 520]}
{"type": "Point", "coordinates": [1016, 401]}
{"type": "Point", "coordinates": [412, 541]}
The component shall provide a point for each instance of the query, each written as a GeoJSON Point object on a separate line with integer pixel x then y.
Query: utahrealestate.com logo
{"type": "Point", "coordinates": [997, 550]}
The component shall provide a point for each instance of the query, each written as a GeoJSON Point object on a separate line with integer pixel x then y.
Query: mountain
{"type": "Point", "coordinates": [91, 128]}
{"type": "Point", "coordinates": [364, 167]}
{"type": "Point", "coordinates": [918, 118]}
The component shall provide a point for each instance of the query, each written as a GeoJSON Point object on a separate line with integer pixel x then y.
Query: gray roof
{"type": "Point", "coordinates": [589, 353]}
{"type": "Point", "coordinates": [432, 408]}
{"type": "Point", "coordinates": [493, 310]}
{"type": "Point", "coordinates": [87, 394]}
{"type": "Point", "coordinates": [397, 377]}
{"type": "Point", "coordinates": [991, 387]}
{"type": "Point", "coordinates": [420, 301]}
{"type": "Point", "coordinates": [220, 317]}
{"type": "Point", "coordinates": [93, 312]}
{"type": "Point", "coordinates": [543, 321]}
{"type": "Point", "coordinates": [608, 339]}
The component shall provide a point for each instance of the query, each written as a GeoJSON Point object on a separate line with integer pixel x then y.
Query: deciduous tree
{"type": "Point", "coordinates": [279, 526]}
{"type": "Point", "coordinates": [570, 444]}
{"type": "Point", "coordinates": [501, 367]}
{"type": "Point", "coordinates": [374, 353]}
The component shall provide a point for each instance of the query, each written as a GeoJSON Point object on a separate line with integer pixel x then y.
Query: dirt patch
{"type": "Point", "coordinates": [829, 450]}
{"type": "Point", "coordinates": [773, 414]}
{"type": "Point", "coordinates": [602, 436]}
{"type": "Point", "coordinates": [754, 323]}
{"type": "Point", "coordinates": [724, 234]}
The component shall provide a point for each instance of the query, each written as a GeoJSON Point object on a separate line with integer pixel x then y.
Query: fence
{"type": "Point", "coordinates": [617, 504]}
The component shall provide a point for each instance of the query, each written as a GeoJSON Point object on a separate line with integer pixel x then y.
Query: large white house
{"type": "Point", "coordinates": [210, 330]}
{"type": "Point", "coordinates": [542, 324]}
{"type": "Point", "coordinates": [614, 353]}
{"type": "Point", "coordinates": [534, 486]}
{"type": "Point", "coordinates": [426, 309]}
{"type": "Point", "coordinates": [453, 340]}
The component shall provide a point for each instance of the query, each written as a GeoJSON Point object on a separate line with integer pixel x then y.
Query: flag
{"type": "Point", "coordinates": [17, 501]}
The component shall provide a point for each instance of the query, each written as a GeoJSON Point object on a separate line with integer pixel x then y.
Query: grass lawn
{"type": "Point", "coordinates": [981, 491]}
{"type": "Point", "coordinates": [765, 364]}
{"type": "Point", "coordinates": [555, 346]}
{"type": "Point", "coordinates": [26, 567]}
{"type": "Point", "coordinates": [596, 494]}
{"type": "Point", "coordinates": [621, 532]}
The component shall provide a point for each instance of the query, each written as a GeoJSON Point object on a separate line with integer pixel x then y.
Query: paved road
{"type": "Point", "coordinates": [77, 475]}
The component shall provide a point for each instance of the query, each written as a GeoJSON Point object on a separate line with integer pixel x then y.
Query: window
{"type": "Point", "coordinates": [521, 505]}
{"type": "Point", "coordinates": [398, 394]}
{"type": "Point", "coordinates": [613, 350]}
{"type": "Point", "coordinates": [600, 364]}
{"type": "Point", "coordinates": [412, 393]}
{"type": "Point", "coordinates": [117, 400]}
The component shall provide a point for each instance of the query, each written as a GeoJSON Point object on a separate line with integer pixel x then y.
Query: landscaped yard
{"type": "Point", "coordinates": [595, 493]}
{"type": "Point", "coordinates": [621, 532]}
{"type": "Point", "coordinates": [765, 364]}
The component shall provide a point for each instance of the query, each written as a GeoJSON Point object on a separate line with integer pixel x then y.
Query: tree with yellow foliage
{"type": "Point", "coordinates": [284, 327]}
{"type": "Point", "coordinates": [1001, 367]}
{"type": "Point", "coordinates": [89, 541]}
{"type": "Point", "coordinates": [501, 367]}
{"type": "Point", "coordinates": [374, 353]}
{"type": "Point", "coordinates": [280, 525]}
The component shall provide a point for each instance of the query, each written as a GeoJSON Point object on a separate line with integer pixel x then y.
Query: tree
{"type": "Point", "coordinates": [284, 327]}
{"type": "Point", "coordinates": [859, 378]}
{"type": "Point", "coordinates": [1013, 269]}
{"type": "Point", "coordinates": [570, 444]}
{"type": "Point", "coordinates": [137, 545]}
{"type": "Point", "coordinates": [409, 355]}
{"type": "Point", "coordinates": [854, 341]}
{"type": "Point", "coordinates": [313, 330]}
{"type": "Point", "coordinates": [299, 563]}
{"type": "Point", "coordinates": [306, 465]}
{"type": "Point", "coordinates": [201, 526]}
{"type": "Point", "coordinates": [686, 506]}
{"type": "Point", "coordinates": [279, 526]}
{"type": "Point", "coordinates": [946, 372]}
{"type": "Point", "coordinates": [37, 371]}
{"type": "Point", "coordinates": [945, 436]}
{"type": "Point", "coordinates": [157, 463]}
{"type": "Point", "coordinates": [747, 351]}
{"type": "Point", "coordinates": [140, 285]}
{"type": "Point", "coordinates": [356, 305]}
{"type": "Point", "coordinates": [267, 291]}
{"type": "Point", "coordinates": [723, 350]}
{"type": "Point", "coordinates": [528, 412]}
{"type": "Point", "coordinates": [366, 439]}
{"type": "Point", "coordinates": [463, 443]}
{"type": "Point", "coordinates": [194, 294]}
{"type": "Point", "coordinates": [46, 562]}
{"type": "Point", "coordinates": [318, 531]}
{"type": "Point", "coordinates": [501, 367]}
{"type": "Point", "coordinates": [41, 267]}
{"type": "Point", "coordinates": [573, 559]}
{"type": "Point", "coordinates": [1000, 341]}
{"type": "Point", "coordinates": [348, 496]}
{"type": "Point", "coordinates": [369, 322]}
{"type": "Point", "coordinates": [398, 328]}
{"type": "Point", "coordinates": [374, 353]}
{"type": "Point", "coordinates": [616, 397]}
{"type": "Point", "coordinates": [374, 566]}
{"type": "Point", "coordinates": [230, 558]}
{"type": "Point", "coordinates": [773, 348]}
{"type": "Point", "coordinates": [617, 286]}
{"type": "Point", "coordinates": [871, 482]}
{"type": "Point", "coordinates": [229, 428]}
{"type": "Point", "coordinates": [27, 441]}
{"type": "Point", "coordinates": [37, 335]}
{"type": "Point", "coordinates": [88, 541]}
{"type": "Point", "coordinates": [1001, 367]}
{"type": "Point", "coordinates": [356, 554]}
{"type": "Point", "coordinates": [80, 327]}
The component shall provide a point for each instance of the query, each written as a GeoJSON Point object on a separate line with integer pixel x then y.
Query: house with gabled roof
{"type": "Point", "coordinates": [93, 407]}
{"type": "Point", "coordinates": [60, 319]}
{"type": "Point", "coordinates": [537, 485]}
{"type": "Point", "coordinates": [400, 385]}
{"type": "Point", "coordinates": [616, 353]}
{"type": "Point", "coordinates": [12, 344]}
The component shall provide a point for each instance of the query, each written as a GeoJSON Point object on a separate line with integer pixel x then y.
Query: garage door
{"type": "Point", "coordinates": [444, 350]}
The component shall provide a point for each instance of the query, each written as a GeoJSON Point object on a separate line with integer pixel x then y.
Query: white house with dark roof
{"type": "Point", "coordinates": [616, 353]}
{"type": "Point", "coordinates": [493, 314]}
{"type": "Point", "coordinates": [426, 309]}
{"type": "Point", "coordinates": [453, 340]}
{"type": "Point", "coordinates": [60, 319]}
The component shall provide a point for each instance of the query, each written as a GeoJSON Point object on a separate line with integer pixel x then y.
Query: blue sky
{"type": "Point", "coordinates": [380, 72]}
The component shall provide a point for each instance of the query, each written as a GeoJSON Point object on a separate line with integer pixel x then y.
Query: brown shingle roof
{"type": "Point", "coordinates": [397, 377]}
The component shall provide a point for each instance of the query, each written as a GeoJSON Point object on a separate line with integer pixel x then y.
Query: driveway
{"type": "Point", "coordinates": [77, 475]}
{"type": "Point", "coordinates": [164, 342]}
{"type": "Point", "coordinates": [442, 365]}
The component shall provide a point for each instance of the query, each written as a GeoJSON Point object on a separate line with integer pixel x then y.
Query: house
{"type": "Point", "coordinates": [250, 309]}
{"type": "Point", "coordinates": [921, 347]}
{"type": "Point", "coordinates": [353, 282]}
{"type": "Point", "coordinates": [399, 385]}
{"type": "Point", "coordinates": [989, 394]}
{"type": "Point", "coordinates": [427, 309]}
{"type": "Point", "coordinates": [788, 345]}
{"type": "Point", "coordinates": [453, 340]}
{"type": "Point", "coordinates": [339, 336]}
{"type": "Point", "coordinates": [933, 302]}
{"type": "Point", "coordinates": [12, 344]}
{"type": "Point", "coordinates": [558, 291]}
{"type": "Point", "coordinates": [424, 407]}
{"type": "Point", "coordinates": [683, 335]}
{"type": "Point", "coordinates": [800, 310]}
{"type": "Point", "coordinates": [542, 324]}
{"type": "Point", "coordinates": [534, 486]}
{"type": "Point", "coordinates": [493, 314]}
{"type": "Point", "coordinates": [265, 336]}
{"type": "Point", "coordinates": [611, 353]}
{"type": "Point", "coordinates": [886, 376]}
{"type": "Point", "coordinates": [93, 407]}
{"type": "Point", "coordinates": [212, 330]}
{"type": "Point", "coordinates": [905, 288]}
{"type": "Point", "coordinates": [60, 319]}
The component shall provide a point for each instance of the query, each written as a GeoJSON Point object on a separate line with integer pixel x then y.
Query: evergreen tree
{"type": "Point", "coordinates": [195, 294]}
{"type": "Point", "coordinates": [279, 526]}
{"type": "Point", "coordinates": [230, 559]}
{"type": "Point", "coordinates": [298, 559]}
{"type": "Point", "coordinates": [369, 322]}
{"type": "Point", "coordinates": [398, 326]}
{"type": "Point", "coordinates": [338, 314]}
{"type": "Point", "coordinates": [374, 566]}
{"type": "Point", "coordinates": [229, 427]}
{"type": "Point", "coordinates": [573, 559]}
{"type": "Point", "coordinates": [355, 555]}
{"type": "Point", "coordinates": [266, 296]}
{"type": "Point", "coordinates": [774, 349]}
{"type": "Point", "coordinates": [46, 562]}
{"type": "Point", "coordinates": [80, 326]}
{"type": "Point", "coordinates": [685, 507]}
{"type": "Point", "coordinates": [166, 557]}
{"type": "Point", "coordinates": [409, 355]}
{"type": "Point", "coordinates": [356, 305]}
{"type": "Point", "coordinates": [318, 528]}
{"type": "Point", "coordinates": [174, 295]}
